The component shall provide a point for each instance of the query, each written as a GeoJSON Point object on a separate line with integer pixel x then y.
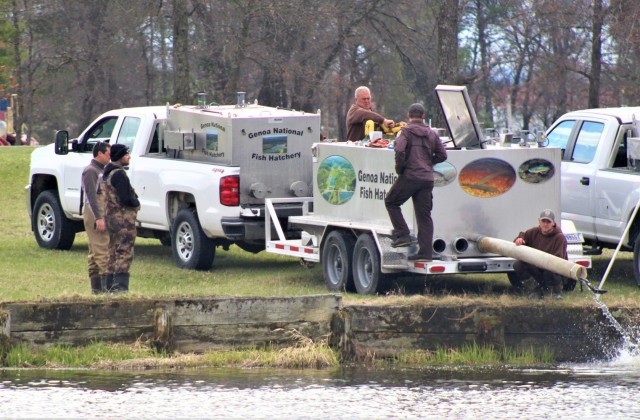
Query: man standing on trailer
{"type": "Point", "coordinates": [417, 149]}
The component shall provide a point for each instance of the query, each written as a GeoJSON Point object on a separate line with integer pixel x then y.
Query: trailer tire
{"type": "Point", "coordinates": [337, 254]}
{"type": "Point", "coordinates": [51, 227]}
{"type": "Point", "coordinates": [191, 248]}
{"type": "Point", "coordinates": [636, 260]}
{"type": "Point", "coordinates": [366, 266]}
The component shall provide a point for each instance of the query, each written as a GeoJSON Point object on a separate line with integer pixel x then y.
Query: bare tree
{"type": "Point", "coordinates": [181, 90]}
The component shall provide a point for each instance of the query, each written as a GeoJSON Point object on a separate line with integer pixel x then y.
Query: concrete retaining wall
{"type": "Point", "coordinates": [199, 324]}
{"type": "Point", "coordinates": [571, 334]}
{"type": "Point", "coordinates": [186, 325]}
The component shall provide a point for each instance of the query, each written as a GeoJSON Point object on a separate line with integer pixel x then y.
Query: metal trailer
{"type": "Point", "coordinates": [479, 192]}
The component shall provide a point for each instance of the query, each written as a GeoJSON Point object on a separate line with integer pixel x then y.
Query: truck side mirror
{"type": "Point", "coordinates": [62, 142]}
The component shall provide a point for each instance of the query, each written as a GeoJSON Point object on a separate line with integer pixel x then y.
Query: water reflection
{"type": "Point", "coordinates": [610, 390]}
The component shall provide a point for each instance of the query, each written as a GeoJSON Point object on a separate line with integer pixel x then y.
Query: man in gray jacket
{"type": "Point", "coordinates": [93, 216]}
{"type": "Point", "coordinates": [417, 149]}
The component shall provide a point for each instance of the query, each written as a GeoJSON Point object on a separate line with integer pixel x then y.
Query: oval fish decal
{"type": "Point", "coordinates": [487, 177]}
{"type": "Point", "coordinates": [336, 180]}
{"type": "Point", "coordinates": [535, 171]}
{"type": "Point", "coordinates": [443, 174]}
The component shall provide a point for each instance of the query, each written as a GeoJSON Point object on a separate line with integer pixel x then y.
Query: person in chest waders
{"type": "Point", "coordinates": [121, 208]}
{"type": "Point", "coordinates": [92, 209]}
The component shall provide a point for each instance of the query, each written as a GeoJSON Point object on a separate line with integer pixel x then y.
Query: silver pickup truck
{"type": "Point", "coordinates": [601, 176]}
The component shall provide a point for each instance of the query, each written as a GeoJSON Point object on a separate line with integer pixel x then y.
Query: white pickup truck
{"type": "Point", "coordinates": [201, 173]}
{"type": "Point", "coordinates": [600, 176]}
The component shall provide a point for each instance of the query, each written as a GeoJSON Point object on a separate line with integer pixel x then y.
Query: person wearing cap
{"type": "Point", "coordinates": [417, 149]}
{"type": "Point", "coordinates": [92, 201]}
{"type": "Point", "coordinates": [546, 237]}
{"type": "Point", "coordinates": [360, 112]}
{"type": "Point", "coordinates": [121, 209]}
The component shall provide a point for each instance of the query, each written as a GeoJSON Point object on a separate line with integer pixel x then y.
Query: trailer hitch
{"type": "Point", "coordinates": [590, 287]}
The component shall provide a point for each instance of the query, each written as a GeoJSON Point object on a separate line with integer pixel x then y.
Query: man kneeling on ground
{"type": "Point", "coordinates": [546, 237]}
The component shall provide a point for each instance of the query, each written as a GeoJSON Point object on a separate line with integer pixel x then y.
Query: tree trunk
{"type": "Point", "coordinates": [596, 54]}
{"type": "Point", "coordinates": [447, 30]}
{"type": "Point", "coordinates": [17, 105]}
{"type": "Point", "coordinates": [181, 91]}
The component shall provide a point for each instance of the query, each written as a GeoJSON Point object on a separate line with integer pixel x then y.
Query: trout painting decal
{"type": "Point", "coordinates": [535, 171]}
{"type": "Point", "coordinates": [487, 177]}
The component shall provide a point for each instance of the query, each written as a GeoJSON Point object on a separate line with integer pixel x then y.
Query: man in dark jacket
{"type": "Point", "coordinates": [93, 216]}
{"type": "Point", "coordinates": [360, 112]}
{"type": "Point", "coordinates": [546, 237]}
{"type": "Point", "coordinates": [417, 149]}
{"type": "Point", "coordinates": [121, 209]}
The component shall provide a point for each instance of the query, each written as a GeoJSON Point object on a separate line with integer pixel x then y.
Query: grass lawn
{"type": "Point", "coordinates": [28, 272]}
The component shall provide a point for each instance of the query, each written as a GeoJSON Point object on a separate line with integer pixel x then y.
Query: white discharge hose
{"type": "Point", "coordinates": [532, 256]}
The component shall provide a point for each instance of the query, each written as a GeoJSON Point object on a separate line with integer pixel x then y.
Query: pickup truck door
{"type": "Point", "coordinates": [75, 162]}
{"type": "Point", "coordinates": [579, 140]}
{"type": "Point", "coordinates": [148, 184]}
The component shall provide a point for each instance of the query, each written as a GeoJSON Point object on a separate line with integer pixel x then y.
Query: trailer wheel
{"type": "Point", "coordinates": [336, 261]}
{"type": "Point", "coordinates": [636, 260]}
{"type": "Point", "coordinates": [191, 248]}
{"type": "Point", "coordinates": [51, 227]}
{"type": "Point", "coordinates": [366, 265]}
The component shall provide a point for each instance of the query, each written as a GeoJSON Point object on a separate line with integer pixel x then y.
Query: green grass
{"type": "Point", "coordinates": [474, 355]}
{"type": "Point", "coordinates": [29, 272]}
{"type": "Point", "coordinates": [306, 354]}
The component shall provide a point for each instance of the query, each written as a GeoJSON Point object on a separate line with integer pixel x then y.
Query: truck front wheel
{"type": "Point", "coordinates": [337, 253]}
{"type": "Point", "coordinates": [366, 265]}
{"type": "Point", "coordinates": [191, 248]}
{"type": "Point", "coordinates": [51, 227]}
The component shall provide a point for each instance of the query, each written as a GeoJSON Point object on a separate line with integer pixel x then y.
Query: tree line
{"type": "Point", "coordinates": [524, 62]}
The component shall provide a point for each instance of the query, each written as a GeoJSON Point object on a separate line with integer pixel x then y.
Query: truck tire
{"type": "Point", "coordinates": [636, 260]}
{"type": "Point", "coordinates": [337, 254]}
{"type": "Point", "coordinates": [366, 266]}
{"type": "Point", "coordinates": [51, 227]}
{"type": "Point", "coordinates": [191, 248]}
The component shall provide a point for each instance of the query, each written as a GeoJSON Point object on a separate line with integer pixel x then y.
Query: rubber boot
{"type": "Point", "coordinates": [108, 282]}
{"type": "Point", "coordinates": [96, 285]}
{"type": "Point", "coordinates": [120, 283]}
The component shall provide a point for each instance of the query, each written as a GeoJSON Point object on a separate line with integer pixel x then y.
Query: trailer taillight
{"type": "Point", "coordinates": [230, 190]}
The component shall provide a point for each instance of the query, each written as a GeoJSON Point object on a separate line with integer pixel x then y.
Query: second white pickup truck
{"type": "Point", "coordinates": [201, 173]}
{"type": "Point", "coordinates": [601, 175]}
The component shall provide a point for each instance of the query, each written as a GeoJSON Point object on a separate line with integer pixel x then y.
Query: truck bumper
{"type": "Point", "coordinates": [253, 228]}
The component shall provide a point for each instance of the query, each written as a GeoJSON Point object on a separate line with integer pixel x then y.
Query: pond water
{"type": "Point", "coordinates": [603, 390]}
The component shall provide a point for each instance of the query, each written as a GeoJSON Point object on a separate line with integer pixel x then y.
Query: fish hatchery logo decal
{"type": "Point", "coordinates": [536, 171]}
{"type": "Point", "coordinates": [336, 180]}
{"type": "Point", "coordinates": [487, 177]}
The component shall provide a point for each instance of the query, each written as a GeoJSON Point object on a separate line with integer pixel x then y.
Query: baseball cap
{"type": "Point", "coordinates": [416, 110]}
{"type": "Point", "coordinates": [547, 215]}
